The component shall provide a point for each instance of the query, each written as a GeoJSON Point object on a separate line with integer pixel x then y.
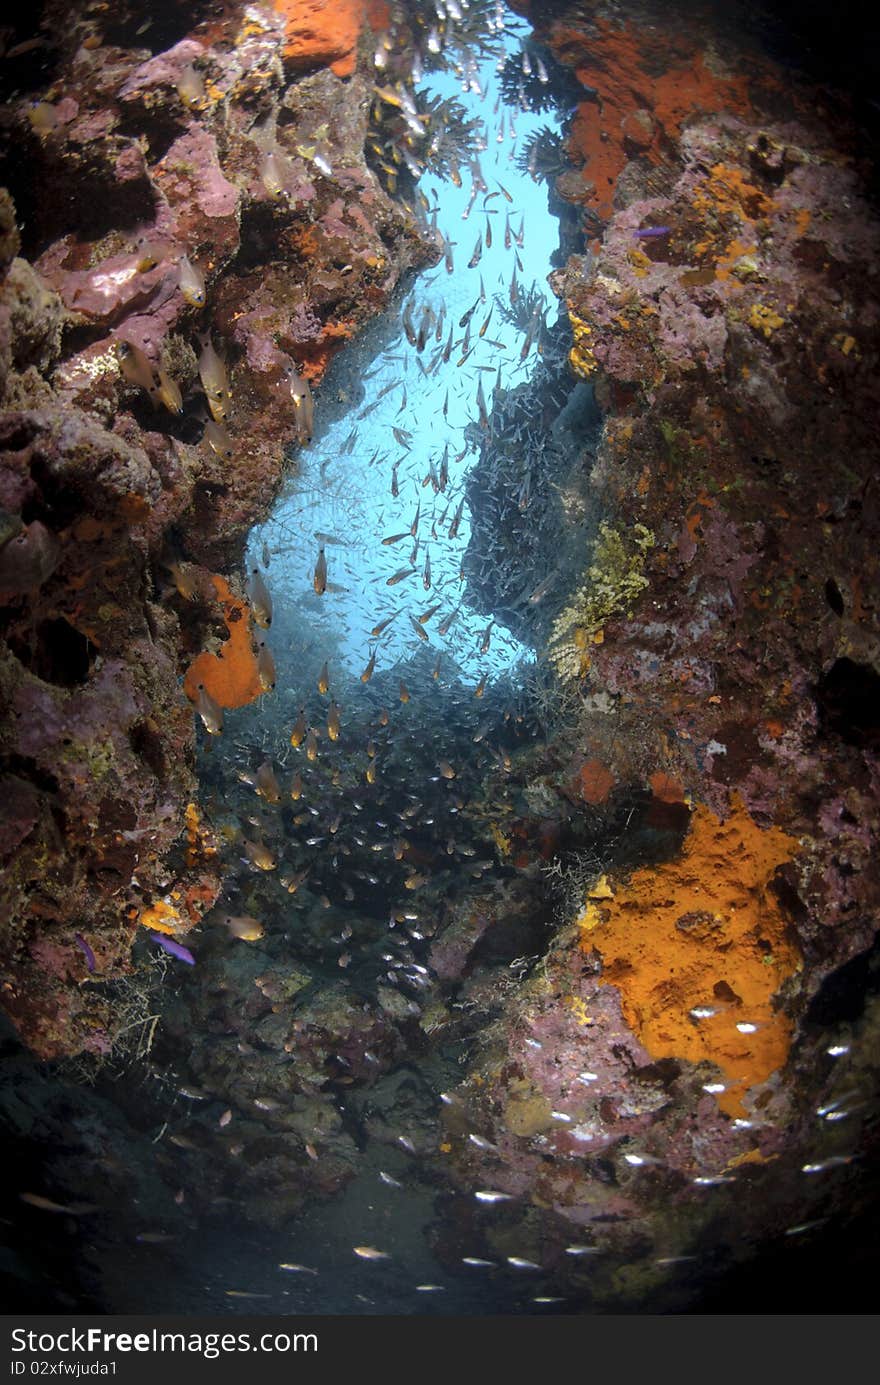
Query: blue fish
{"type": "Point", "coordinates": [89, 954]}
{"type": "Point", "coordinates": [174, 949]}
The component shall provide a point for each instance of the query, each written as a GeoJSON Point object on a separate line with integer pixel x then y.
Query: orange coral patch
{"type": "Point", "coordinates": [322, 33]}
{"type": "Point", "coordinates": [230, 676]}
{"type": "Point", "coordinates": [728, 191]}
{"type": "Point", "coordinates": [161, 918]}
{"type": "Point", "coordinates": [199, 843]}
{"type": "Point", "coordinates": [704, 932]}
{"type": "Point", "coordinates": [596, 782]}
{"type": "Point", "coordinates": [318, 357]}
{"type": "Point", "coordinates": [665, 788]}
{"type": "Point", "coordinates": [617, 68]}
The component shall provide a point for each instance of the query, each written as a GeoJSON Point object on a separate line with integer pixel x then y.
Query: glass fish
{"type": "Point", "coordinates": [169, 392]}
{"type": "Point", "coordinates": [399, 576]}
{"type": "Point", "coordinates": [244, 927]}
{"type": "Point", "coordinates": [298, 734]}
{"type": "Point", "coordinates": [259, 855]}
{"type": "Point", "coordinates": [311, 745]}
{"type": "Point", "coordinates": [383, 624]}
{"type": "Point", "coordinates": [368, 671]}
{"type": "Point", "coordinates": [260, 600]}
{"type": "Point", "coordinates": [266, 667]}
{"type": "Point", "coordinates": [218, 439]}
{"type": "Point", "coordinates": [275, 174]}
{"type": "Point", "coordinates": [215, 381]}
{"type": "Point", "coordinates": [319, 581]}
{"type": "Point", "coordinates": [136, 368]}
{"type": "Point", "coordinates": [192, 283]}
{"type": "Point", "coordinates": [453, 528]}
{"type": "Point", "coordinates": [444, 626]}
{"type": "Point", "coordinates": [191, 89]}
{"type": "Point", "coordinates": [304, 403]}
{"type": "Point", "coordinates": [210, 712]}
{"type": "Point", "coordinates": [184, 579]}
{"type": "Point", "coordinates": [323, 679]}
{"type": "Point", "coordinates": [333, 722]}
{"type": "Point", "coordinates": [266, 784]}
{"type": "Point", "coordinates": [293, 884]}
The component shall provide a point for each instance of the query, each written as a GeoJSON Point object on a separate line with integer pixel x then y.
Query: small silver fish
{"type": "Point", "coordinates": [192, 282]}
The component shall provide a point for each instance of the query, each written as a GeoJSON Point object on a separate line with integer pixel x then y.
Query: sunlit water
{"type": "Point", "coordinates": [358, 484]}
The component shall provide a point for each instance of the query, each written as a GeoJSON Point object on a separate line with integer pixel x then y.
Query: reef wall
{"type": "Point", "coordinates": [684, 1071]}
{"type": "Point", "coordinates": [683, 1033]}
{"type": "Point", "coordinates": [176, 175]}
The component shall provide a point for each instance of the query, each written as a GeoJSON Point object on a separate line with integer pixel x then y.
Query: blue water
{"type": "Point", "coordinates": [346, 478]}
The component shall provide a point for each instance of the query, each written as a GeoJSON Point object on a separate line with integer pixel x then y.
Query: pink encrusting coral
{"type": "Point", "coordinates": [161, 153]}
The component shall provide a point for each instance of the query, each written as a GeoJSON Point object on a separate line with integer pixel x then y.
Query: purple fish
{"type": "Point", "coordinates": [175, 949]}
{"type": "Point", "coordinates": [89, 954]}
{"type": "Point", "coordinates": [650, 232]}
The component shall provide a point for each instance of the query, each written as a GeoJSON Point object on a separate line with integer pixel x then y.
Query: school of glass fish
{"type": "Point", "coordinates": [394, 700]}
{"type": "Point", "coordinates": [371, 782]}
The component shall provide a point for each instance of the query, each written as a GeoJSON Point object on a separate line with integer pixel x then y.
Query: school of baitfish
{"type": "Point", "coordinates": [362, 776]}
{"type": "Point", "coordinates": [349, 826]}
{"type": "Point", "coordinates": [376, 801]}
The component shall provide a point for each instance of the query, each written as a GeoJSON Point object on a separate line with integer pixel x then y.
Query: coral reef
{"type": "Point", "coordinates": [208, 183]}
{"type": "Point", "coordinates": [671, 936]}
{"type": "Point", "coordinates": [611, 585]}
{"type": "Point", "coordinates": [647, 993]}
{"type": "Point", "coordinates": [726, 659]}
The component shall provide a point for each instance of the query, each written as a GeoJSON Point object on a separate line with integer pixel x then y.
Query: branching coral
{"type": "Point", "coordinates": [534, 80]}
{"type": "Point", "coordinates": [611, 584]}
{"type": "Point", "coordinates": [543, 155]}
{"type": "Point", "coordinates": [397, 151]}
{"type": "Point", "coordinates": [528, 313]}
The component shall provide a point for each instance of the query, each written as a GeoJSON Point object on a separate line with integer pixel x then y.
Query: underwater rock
{"type": "Point", "coordinates": [727, 319]}
{"type": "Point", "coordinates": [153, 164]}
{"type": "Point", "coordinates": [681, 501]}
